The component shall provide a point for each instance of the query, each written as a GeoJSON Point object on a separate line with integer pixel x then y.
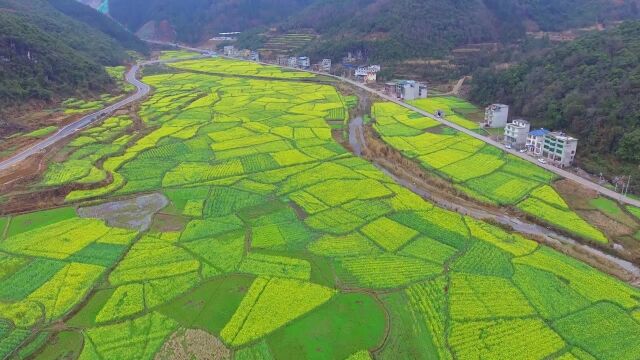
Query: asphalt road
{"type": "Point", "coordinates": [142, 90]}
{"type": "Point", "coordinates": [558, 171]}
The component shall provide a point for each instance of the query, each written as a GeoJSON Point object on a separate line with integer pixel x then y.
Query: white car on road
{"type": "Point", "coordinates": [542, 161]}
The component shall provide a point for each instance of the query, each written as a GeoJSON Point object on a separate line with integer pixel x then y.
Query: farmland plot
{"type": "Point", "coordinates": [291, 247]}
{"type": "Point", "coordinates": [481, 171]}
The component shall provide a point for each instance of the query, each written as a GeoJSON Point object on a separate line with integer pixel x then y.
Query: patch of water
{"type": "Point", "coordinates": [135, 213]}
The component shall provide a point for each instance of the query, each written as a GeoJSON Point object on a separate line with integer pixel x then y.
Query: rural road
{"type": "Point", "coordinates": [563, 173]}
{"type": "Point", "coordinates": [560, 172]}
{"type": "Point", "coordinates": [142, 90]}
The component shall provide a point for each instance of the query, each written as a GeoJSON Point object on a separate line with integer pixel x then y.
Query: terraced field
{"type": "Point", "coordinates": [288, 247]}
{"type": "Point", "coordinates": [481, 171]}
{"type": "Point", "coordinates": [286, 43]}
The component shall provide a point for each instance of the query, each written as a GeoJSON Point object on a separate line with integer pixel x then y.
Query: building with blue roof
{"type": "Point", "coordinates": [535, 140]}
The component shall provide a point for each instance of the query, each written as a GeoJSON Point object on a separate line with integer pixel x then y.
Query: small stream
{"type": "Point", "coordinates": [356, 135]}
{"type": "Point", "coordinates": [357, 142]}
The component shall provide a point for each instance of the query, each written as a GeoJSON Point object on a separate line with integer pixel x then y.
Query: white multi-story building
{"type": "Point", "coordinates": [293, 62]}
{"type": "Point", "coordinates": [516, 132]}
{"type": "Point", "coordinates": [496, 116]}
{"type": "Point", "coordinates": [304, 62]}
{"type": "Point", "coordinates": [406, 89]}
{"type": "Point", "coordinates": [230, 50]}
{"type": "Point", "coordinates": [535, 141]}
{"type": "Point", "coordinates": [325, 65]}
{"type": "Point", "coordinates": [560, 148]}
{"type": "Point", "coordinates": [367, 74]}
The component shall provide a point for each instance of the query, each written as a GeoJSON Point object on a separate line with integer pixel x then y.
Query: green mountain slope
{"type": "Point", "coordinates": [401, 29]}
{"type": "Point", "coordinates": [46, 54]}
{"type": "Point", "coordinates": [104, 24]}
{"type": "Point", "coordinates": [384, 29]}
{"type": "Point", "coordinates": [591, 87]}
{"type": "Point", "coordinates": [196, 20]}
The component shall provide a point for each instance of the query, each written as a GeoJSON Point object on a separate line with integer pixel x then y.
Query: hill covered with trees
{"type": "Point", "coordinates": [401, 29]}
{"type": "Point", "coordinates": [197, 20]}
{"type": "Point", "coordinates": [589, 87]}
{"type": "Point", "coordinates": [104, 24]}
{"type": "Point", "coordinates": [383, 29]}
{"type": "Point", "coordinates": [47, 54]}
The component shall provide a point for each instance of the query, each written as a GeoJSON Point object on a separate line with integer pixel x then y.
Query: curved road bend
{"type": "Point", "coordinates": [142, 90]}
{"type": "Point", "coordinates": [560, 172]}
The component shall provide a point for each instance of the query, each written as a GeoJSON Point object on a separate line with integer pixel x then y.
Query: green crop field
{"type": "Point", "coordinates": [455, 110]}
{"type": "Point", "coordinates": [176, 55]}
{"type": "Point", "coordinates": [290, 247]}
{"type": "Point", "coordinates": [634, 210]}
{"type": "Point", "coordinates": [479, 170]}
{"type": "Point", "coordinates": [41, 132]}
{"type": "Point", "coordinates": [79, 106]}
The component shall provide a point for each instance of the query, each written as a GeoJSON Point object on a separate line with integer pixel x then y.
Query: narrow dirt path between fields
{"type": "Point", "coordinates": [457, 87]}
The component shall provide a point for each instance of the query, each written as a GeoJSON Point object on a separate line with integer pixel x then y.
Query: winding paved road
{"type": "Point", "coordinates": [560, 172]}
{"type": "Point", "coordinates": [142, 90]}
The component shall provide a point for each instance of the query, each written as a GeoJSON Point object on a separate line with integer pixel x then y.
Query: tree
{"type": "Point", "coordinates": [629, 147]}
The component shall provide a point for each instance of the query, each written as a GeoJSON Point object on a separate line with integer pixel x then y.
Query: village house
{"type": "Point", "coordinates": [406, 89]}
{"type": "Point", "coordinates": [559, 148]}
{"type": "Point", "coordinates": [230, 51]}
{"type": "Point", "coordinates": [304, 62]}
{"type": "Point", "coordinates": [535, 141]}
{"type": "Point", "coordinates": [367, 74]}
{"type": "Point", "coordinates": [496, 116]}
{"type": "Point", "coordinates": [282, 60]}
{"type": "Point", "coordinates": [325, 65]}
{"type": "Point", "coordinates": [515, 134]}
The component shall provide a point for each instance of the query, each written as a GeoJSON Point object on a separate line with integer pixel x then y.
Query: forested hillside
{"type": "Point", "coordinates": [196, 20]}
{"type": "Point", "coordinates": [384, 29]}
{"type": "Point", "coordinates": [105, 24]}
{"type": "Point", "coordinates": [400, 29]}
{"type": "Point", "coordinates": [590, 87]}
{"type": "Point", "coordinates": [46, 54]}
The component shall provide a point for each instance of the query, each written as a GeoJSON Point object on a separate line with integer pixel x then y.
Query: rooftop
{"type": "Point", "coordinates": [561, 136]}
{"type": "Point", "coordinates": [539, 132]}
{"type": "Point", "coordinates": [519, 123]}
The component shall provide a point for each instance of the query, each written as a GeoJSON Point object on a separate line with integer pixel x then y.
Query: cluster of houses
{"type": "Point", "coordinates": [303, 62]}
{"type": "Point", "coordinates": [550, 146]}
{"type": "Point", "coordinates": [406, 89]}
{"type": "Point", "coordinates": [246, 54]}
{"type": "Point", "coordinates": [298, 62]}
{"type": "Point", "coordinates": [553, 146]}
